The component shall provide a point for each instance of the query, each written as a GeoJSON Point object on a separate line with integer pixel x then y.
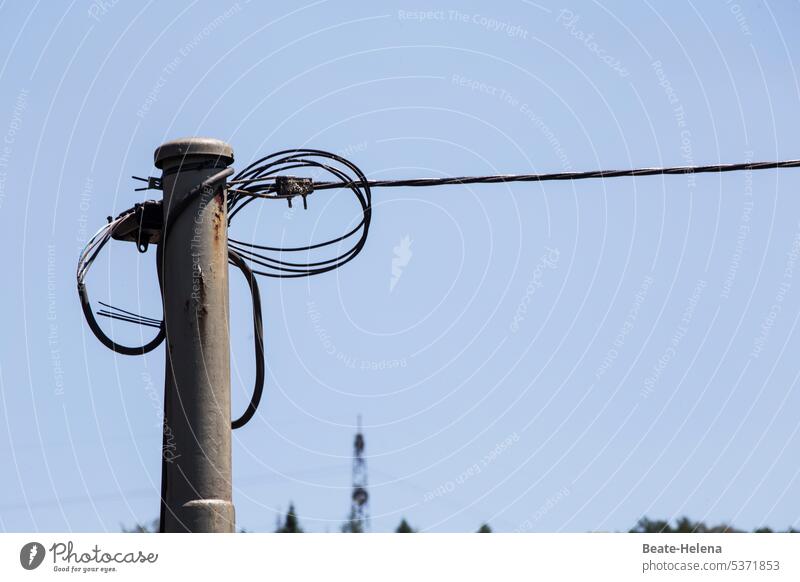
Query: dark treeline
{"type": "Point", "coordinates": [291, 524]}
{"type": "Point", "coordinates": [686, 525]}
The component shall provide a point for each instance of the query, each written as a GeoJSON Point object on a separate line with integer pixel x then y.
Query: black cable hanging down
{"type": "Point", "coordinates": [85, 260]}
{"type": "Point", "coordinates": [258, 388]}
{"type": "Point", "coordinates": [234, 258]}
{"type": "Point", "coordinates": [258, 333]}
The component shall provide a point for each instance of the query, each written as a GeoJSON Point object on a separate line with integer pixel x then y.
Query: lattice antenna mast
{"type": "Point", "coordinates": [359, 509]}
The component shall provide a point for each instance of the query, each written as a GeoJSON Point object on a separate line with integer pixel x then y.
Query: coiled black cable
{"type": "Point", "coordinates": [259, 179]}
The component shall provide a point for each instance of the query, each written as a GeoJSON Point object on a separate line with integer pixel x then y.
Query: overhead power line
{"type": "Point", "coordinates": [510, 178]}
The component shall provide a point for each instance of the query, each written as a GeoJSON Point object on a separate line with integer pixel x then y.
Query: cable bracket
{"type": "Point", "coordinates": [290, 186]}
{"type": "Point", "coordinates": [152, 183]}
{"type": "Point", "coordinates": [142, 224]}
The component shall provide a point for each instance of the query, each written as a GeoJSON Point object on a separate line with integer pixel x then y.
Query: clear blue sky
{"type": "Point", "coordinates": [552, 357]}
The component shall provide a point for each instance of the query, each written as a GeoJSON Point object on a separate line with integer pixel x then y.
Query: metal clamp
{"type": "Point", "coordinates": [290, 186]}
{"type": "Point", "coordinates": [142, 224]}
{"type": "Point", "coordinates": [152, 183]}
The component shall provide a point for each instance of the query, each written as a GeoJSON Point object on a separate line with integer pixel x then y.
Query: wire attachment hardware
{"type": "Point", "coordinates": [141, 224]}
{"type": "Point", "coordinates": [290, 186]}
{"type": "Point", "coordinates": [152, 183]}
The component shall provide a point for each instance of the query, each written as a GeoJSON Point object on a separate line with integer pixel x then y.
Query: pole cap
{"type": "Point", "coordinates": [186, 147]}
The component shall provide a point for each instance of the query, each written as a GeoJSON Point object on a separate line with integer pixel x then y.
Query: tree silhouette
{"type": "Point", "coordinates": [646, 525]}
{"type": "Point", "coordinates": [404, 527]}
{"type": "Point", "coordinates": [686, 525]}
{"type": "Point", "coordinates": [152, 527]}
{"type": "Point", "coordinates": [484, 528]}
{"type": "Point", "coordinates": [290, 525]}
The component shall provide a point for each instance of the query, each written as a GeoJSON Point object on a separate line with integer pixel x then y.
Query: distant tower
{"type": "Point", "coordinates": [359, 507]}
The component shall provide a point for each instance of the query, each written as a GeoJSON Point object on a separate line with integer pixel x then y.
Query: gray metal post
{"type": "Point", "coordinates": [197, 428]}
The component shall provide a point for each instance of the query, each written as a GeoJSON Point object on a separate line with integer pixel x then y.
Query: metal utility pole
{"type": "Point", "coordinates": [193, 268]}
